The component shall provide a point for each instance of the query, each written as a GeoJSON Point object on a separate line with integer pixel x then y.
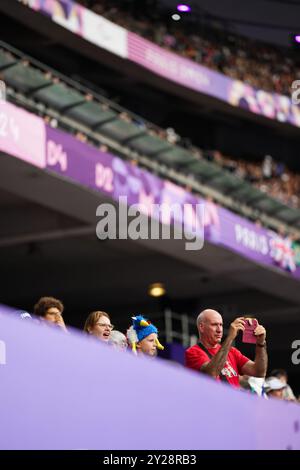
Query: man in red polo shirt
{"type": "Point", "coordinates": [222, 361]}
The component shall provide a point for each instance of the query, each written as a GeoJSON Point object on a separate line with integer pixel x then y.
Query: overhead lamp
{"type": "Point", "coordinates": [184, 8]}
{"type": "Point", "coordinates": [156, 290]}
{"type": "Point", "coordinates": [297, 38]}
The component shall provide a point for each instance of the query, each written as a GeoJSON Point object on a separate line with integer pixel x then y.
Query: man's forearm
{"type": "Point", "coordinates": [261, 361]}
{"type": "Point", "coordinates": [217, 363]}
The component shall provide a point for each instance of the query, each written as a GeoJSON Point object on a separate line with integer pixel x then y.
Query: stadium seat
{"type": "Point", "coordinates": [268, 205]}
{"type": "Point", "coordinates": [204, 170]}
{"type": "Point", "coordinates": [59, 96]}
{"type": "Point", "coordinates": [226, 183]}
{"type": "Point", "coordinates": [289, 216]}
{"type": "Point", "coordinates": [6, 59]}
{"type": "Point", "coordinates": [176, 156]}
{"type": "Point", "coordinates": [149, 145]}
{"type": "Point", "coordinates": [25, 78]}
{"type": "Point", "coordinates": [91, 114]}
{"type": "Point", "coordinates": [121, 130]}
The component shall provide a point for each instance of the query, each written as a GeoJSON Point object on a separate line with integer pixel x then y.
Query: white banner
{"type": "Point", "coordinates": [85, 23]}
{"type": "Point", "coordinates": [104, 33]}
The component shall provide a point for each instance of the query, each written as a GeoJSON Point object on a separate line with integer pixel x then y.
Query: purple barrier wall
{"type": "Point", "coordinates": [63, 391]}
{"type": "Point", "coordinates": [61, 153]}
{"type": "Point", "coordinates": [187, 73]}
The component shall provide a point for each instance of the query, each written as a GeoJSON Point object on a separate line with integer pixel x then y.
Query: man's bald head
{"type": "Point", "coordinates": [210, 326]}
{"type": "Point", "coordinates": [208, 315]}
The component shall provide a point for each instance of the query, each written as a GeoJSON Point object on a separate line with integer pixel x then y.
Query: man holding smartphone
{"type": "Point", "coordinates": [222, 361]}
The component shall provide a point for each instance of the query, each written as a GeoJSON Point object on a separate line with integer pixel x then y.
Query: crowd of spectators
{"type": "Point", "coordinates": [259, 65]}
{"type": "Point", "coordinates": [209, 356]}
{"type": "Point", "coordinates": [270, 176]}
{"type": "Point", "coordinates": [235, 56]}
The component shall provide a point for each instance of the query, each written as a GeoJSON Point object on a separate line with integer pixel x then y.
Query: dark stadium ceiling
{"type": "Point", "coordinates": [268, 20]}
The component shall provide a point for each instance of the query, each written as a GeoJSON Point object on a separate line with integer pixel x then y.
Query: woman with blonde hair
{"type": "Point", "coordinates": [98, 324]}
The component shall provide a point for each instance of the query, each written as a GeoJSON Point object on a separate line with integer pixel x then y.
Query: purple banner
{"type": "Point", "coordinates": [27, 137]}
{"type": "Point", "coordinates": [115, 177]}
{"type": "Point", "coordinates": [63, 391]}
{"type": "Point", "coordinates": [22, 134]}
{"type": "Point", "coordinates": [259, 244]}
{"type": "Point", "coordinates": [199, 78]}
{"type": "Point", "coordinates": [175, 68]}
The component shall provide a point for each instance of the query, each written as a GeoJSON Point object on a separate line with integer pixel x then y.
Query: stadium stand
{"type": "Point", "coordinates": [230, 54]}
{"type": "Point", "coordinates": [71, 142]}
{"type": "Point", "coordinates": [268, 199]}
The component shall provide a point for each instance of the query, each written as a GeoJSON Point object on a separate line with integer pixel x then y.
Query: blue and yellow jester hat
{"type": "Point", "coordinates": [140, 329]}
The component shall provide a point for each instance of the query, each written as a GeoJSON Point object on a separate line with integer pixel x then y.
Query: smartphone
{"type": "Point", "coordinates": [248, 334]}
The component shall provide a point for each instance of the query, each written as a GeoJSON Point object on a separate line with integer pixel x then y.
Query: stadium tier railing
{"type": "Point", "coordinates": [77, 108]}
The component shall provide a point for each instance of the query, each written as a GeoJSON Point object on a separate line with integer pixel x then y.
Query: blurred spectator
{"type": "Point", "coordinates": [279, 169]}
{"type": "Point", "coordinates": [270, 176]}
{"type": "Point", "coordinates": [274, 388]}
{"type": "Point", "coordinates": [252, 384]}
{"type": "Point", "coordinates": [125, 117]}
{"type": "Point", "coordinates": [281, 374]}
{"type": "Point", "coordinates": [50, 310]}
{"type": "Point", "coordinates": [24, 315]}
{"type": "Point", "coordinates": [172, 137]}
{"type": "Point", "coordinates": [81, 137]}
{"type": "Point", "coordinates": [53, 122]}
{"type": "Point", "coordinates": [118, 340]}
{"type": "Point", "coordinates": [267, 167]}
{"type": "Point", "coordinates": [103, 148]}
{"type": "Point", "coordinates": [98, 324]}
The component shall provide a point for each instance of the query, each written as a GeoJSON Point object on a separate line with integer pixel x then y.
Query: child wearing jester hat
{"type": "Point", "coordinates": [142, 337]}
